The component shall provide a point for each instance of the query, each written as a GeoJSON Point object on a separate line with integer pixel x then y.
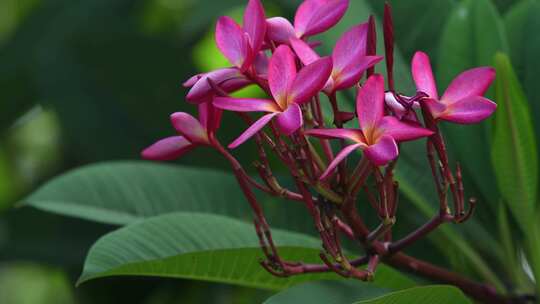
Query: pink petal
{"type": "Point", "coordinates": [316, 16]}
{"type": "Point", "coordinates": [209, 116]}
{"type": "Point", "coordinates": [281, 74]}
{"type": "Point", "coordinates": [192, 81]}
{"type": "Point", "coordinates": [339, 158]}
{"type": "Point", "coordinates": [189, 127]}
{"type": "Point", "coordinates": [370, 102]}
{"type": "Point", "coordinates": [469, 110]}
{"type": "Point", "coordinates": [252, 130]}
{"type": "Point", "coordinates": [245, 104]}
{"type": "Point", "coordinates": [310, 80]}
{"type": "Point", "coordinates": [290, 120]}
{"type": "Point", "coordinates": [350, 47]}
{"type": "Point", "coordinates": [261, 65]}
{"type": "Point", "coordinates": [435, 107]}
{"type": "Point", "coordinates": [423, 75]}
{"type": "Point", "coordinates": [350, 76]}
{"type": "Point", "coordinates": [255, 24]}
{"type": "Point", "coordinates": [232, 42]}
{"type": "Point", "coordinates": [279, 30]}
{"type": "Point", "coordinates": [382, 152]}
{"type": "Point", "coordinates": [168, 148]}
{"type": "Point", "coordinates": [473, 82]}
{"type": "Point", "coordinates": [402, 131]}
{"type": "Point", "coordinates": [306, 54]}
{"type": "Point", "coordinates": [228, 79]}
{"type": "Point", "coordinates": [352, 134]}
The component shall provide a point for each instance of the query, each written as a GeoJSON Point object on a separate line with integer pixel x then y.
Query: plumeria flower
{"type": "Point", "coordinates": [312, 17]}
{"type": "Point", "coordinates": [191, 133]}
{"type": "Point", "coordinates": [241, 45]}
{"type": "Point", "coordinates": [378, 134]}
{"type": "Point", "coordinates": [228, 79]}
{"type": "Point", "coordinates": [463, 100]}
{"type": "Point", "coordinates": [349, 58]}
{"type": "Point", "coordinates": [289, 90]}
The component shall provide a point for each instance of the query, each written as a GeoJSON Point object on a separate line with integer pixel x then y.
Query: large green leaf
{"type": "Point", "coordinates": [205, 247]}
{"type": "Point", "coordinates": [439, 294]}
{"type": "Point", "coordinates": [521, 21]}
{"type": "Point", "coordinates": [472, 35]}
{"type": "Point", "coordinates": [124, 192]}
{"type": "Point", "coordinates": [327, 292]}
{"type": "Point", "coordinates": [514, 151]}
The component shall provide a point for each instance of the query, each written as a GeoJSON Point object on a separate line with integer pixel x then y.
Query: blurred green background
{"type": "Point", "coordinates": [95, 80]}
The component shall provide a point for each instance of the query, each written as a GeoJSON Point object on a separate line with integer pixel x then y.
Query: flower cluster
{"type": "Point", "coordinates": [282, 59]}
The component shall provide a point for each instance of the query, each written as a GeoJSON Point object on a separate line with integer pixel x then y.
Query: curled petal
{"type": "Point", "coordinates": [168, 148]}
{"type": "Point", "coordinates": [189, 127]}
{"type": "Point", "coordinates": [281, 74]}
{"type": "Point", "coordinates": [255, 24]}
{"type": "Point", "coordinates": [290, 120]}
{"type": "Point", "coordinates": [350, 76]}
{"type": "Point", "coordinates": [402, 131]}
{"type": "Point", "coordinates": [192, 81]}
{"type": "Point", "coordinates": [339, 158]}
{"type": "Point", "coordinates": [310, 80]}
{"type": "Point", "coordinates": [306, 54]}
{"type": "Point", "coordinates": [350, 48]}
{"type": "Point", "coordinates": [316, 16]}
{"type": "Point", "coordinates": [370, 102]}
{"type": "Point", "coordinates": [279, 30]}
{"type": "Point", "coordinates": [383, 151]}
{"type": "Point", "coordinates": [252, 130]}
{"type": "Point", "coordinates": [245, 104]}
{"type": "Point", "coordinates": [469, 110]}
{"type": "Point", "coordinates": [228, 79]}
{"type": "Point", "coordinates": [473, 82]}
{"type": "Point", "coordinates": [352, 134]}
{"type": "Point", "coordinates": [423, 75]}
{"type": "Point", "coordinates": [232, 42]}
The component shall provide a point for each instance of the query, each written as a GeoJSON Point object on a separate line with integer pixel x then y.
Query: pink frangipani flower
{"type": "Point", "coordinates": [312, 17]}
{"type": "Point", "coordinates": [191, 133]}
{"type": "Point", "coordinates": [463, 100]}
{"type": "Point", "coordinates": [240, 45]}
{"type": "Point", "coordinates": [349, 58]}
{"type": "Point", "coordinates": [289, 90]}
{"type": "Point", "coordinates": [378, 134]}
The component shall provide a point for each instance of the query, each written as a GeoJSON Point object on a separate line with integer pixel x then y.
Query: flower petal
{"type": "Point", "coordinates": [469, 110]}
{"type": "Point", "coordinates": [306, 54]}
{"type": "Point", "coordinates": [245, 104]}
{"type": "Point", "coordinates": [423, 75]}
{"type": "Point", "coordinates": [402, 131]}
{"type": "Point", "coordinates": [350, 47]}
{"type": "Point", "coordinates": [209, 116]}
{"type": "Point", "coordinates": [435, 107]}
{"type": "Point", "coordinates": [261, 65]}
{"type": "Point", "coordinates": [189, 127]}
{"type": "Point", "coordinates": [350, 76]}
{"type": "Point", "coordinates": [352, 134]}
{"type": "Point", "coordinates": [316, 16]}
{"type": "Point", "coordinates": [473, 82]}
{"type": "Point", "coordinates": [338, 159]}
{"type": "Point", "coordinates": [252, 130]}
{"type": "Point", "coordinates": [281, 74]}
{"type": "Point", "coordinates": [168, 148]}
{"type": "Point", "coordinates": [310, 80]}
{"type": "Point", "coordinates": [228, 79]}
{"type": "Point", "coordinates": [279, 30]}
{"type": "Point", "coordinates": [290, 120]}
{"type": "Point", "coordinates": [255, 24]}
{"type": "Point", "coordinates": [370, 102]}
{"type": "Point", "coordinates": [232, 42]}
{"type": "Point", "coordinates": [383, 151]}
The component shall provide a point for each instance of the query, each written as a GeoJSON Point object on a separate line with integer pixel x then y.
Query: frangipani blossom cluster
{"type": "Point", "coordinates": [284, 60]}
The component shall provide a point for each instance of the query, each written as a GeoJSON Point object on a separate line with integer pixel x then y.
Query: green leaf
{"type": "Point", "coordinates": [472, 35]}
{"type": "Point", "coordinates": [327, 292]}
{"type": "Point", "coordinates": [206, 247]}
{"type": "Point", "coordinates": [439, 294]}
{"type": "Point", "coordinates": [514, 151]}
